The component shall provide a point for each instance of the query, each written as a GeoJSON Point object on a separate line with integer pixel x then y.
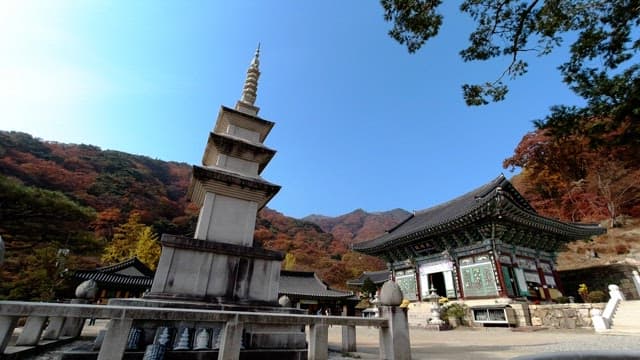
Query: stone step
{"type": "Point", "coordinates": [626, 319]}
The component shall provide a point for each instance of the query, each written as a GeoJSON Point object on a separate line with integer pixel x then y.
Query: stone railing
{"type": "Point", "coordinates": [602, 321]}
{"type": "Point", "coordinates": [68, 319]}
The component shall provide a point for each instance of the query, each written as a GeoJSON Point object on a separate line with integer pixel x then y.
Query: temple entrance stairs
{"type": "Point", "coordinates": [627, 318]}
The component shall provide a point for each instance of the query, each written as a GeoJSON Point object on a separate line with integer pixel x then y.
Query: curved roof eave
{"type": "Point", "coordinates": [487, 201]}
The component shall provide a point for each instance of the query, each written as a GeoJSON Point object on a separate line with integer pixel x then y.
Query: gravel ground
{"type": "Point", "coordinates": [493, 343]}
{"type": "Point", "coordinates": [462, 343]}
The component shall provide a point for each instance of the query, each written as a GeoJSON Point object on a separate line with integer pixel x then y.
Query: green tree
{"type": "Point", "coordinates": [42, 275]}
{"type": "Point", "coordinates": [602, 66]}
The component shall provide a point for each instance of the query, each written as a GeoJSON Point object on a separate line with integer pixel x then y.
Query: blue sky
{"type": "Point", "coordinates": [360, 123]}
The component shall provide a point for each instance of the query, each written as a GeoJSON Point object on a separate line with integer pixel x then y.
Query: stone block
{"type": "Point", "coordinates": [276, 340]}
{"type": "Point", "coordinates": [570, 323]}
{"type": "Point", "coordinates": [54, 329]}
{"type": "Point", "coordinates": [115, 341]}
{"type": "Point", "coordinates": [536, 321]}
{"type": "Point", "coordinates": [318, 342]}
{"type": "Point", "coordinates": [32, 331]}
{"type": "Point", "coordinates": [349, 339]}
{"type": "Point", "coordinates": [7, 325]}
{"type": "Point", "coordinates": [231, 341]}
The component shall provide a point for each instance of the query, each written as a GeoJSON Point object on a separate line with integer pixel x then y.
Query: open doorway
{"type": "Point", "coordinates": [437, 282]}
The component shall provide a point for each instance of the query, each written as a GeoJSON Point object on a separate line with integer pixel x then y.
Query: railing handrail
{"type": "Point", "coordinates": [24, 308]}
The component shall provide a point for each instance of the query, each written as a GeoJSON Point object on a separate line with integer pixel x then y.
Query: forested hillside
{"type": "Point", "coordinates": [77, 206]}
{"type": "Point", "coordinates": [358, 225]}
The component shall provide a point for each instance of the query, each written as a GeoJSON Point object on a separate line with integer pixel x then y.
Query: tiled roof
{"type": "Point", "coordinates": [293, 283]}
{"type": "Point", "coordinates": [104, 278]}
{"type": "Point", "coordinates": [306, 284]}
{"type": "Point", "coordinates": [377, 277]}
{"type": "Point", "coordinates": [133, 262]}
{"type": "Point", "coordinates": [485, 201]}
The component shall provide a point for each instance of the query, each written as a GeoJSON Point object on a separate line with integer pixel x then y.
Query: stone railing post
{"type": "Point", "coordinates": [636, 281]}
{"type": "Point", "coordinates": [348, 339]}
{"type": "Point", "coordinates": [115, 340]}
{"type": "Point", "coordinates": [394, 339]}
{"type": "Point", "coordinates": [602, 320]}
{"type": "Point", "coordinates": [318, 342]}
{"type": "Point", "coordinates": [32, 331]}
{"type": "Point", "coordinates": [7, 324]}
{"type": "Point", "coordinates": [54, 329]}
{"type": "Point", "coordinates": [231, 340]}
{"type": "Point", "coordinates": [73, 325]}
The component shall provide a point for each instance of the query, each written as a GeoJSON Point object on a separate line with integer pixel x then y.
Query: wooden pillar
{"type": "Point", "coordinates": [543, 282]}
{"type": "Point", "coordinates": [498, 267]}
{"type": "Point", "coordinates": [418, 285]}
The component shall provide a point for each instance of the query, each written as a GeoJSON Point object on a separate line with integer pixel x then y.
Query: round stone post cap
{"type": "Point", "coordinates": [284, 301]}
{"type": "Point", "coordinates": [390, 294]}
{"type": "Point", "coordinates": [87, 290]}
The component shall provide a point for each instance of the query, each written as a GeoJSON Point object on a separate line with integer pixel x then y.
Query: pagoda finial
{"type": "Point", "coordinates": [250, 89]}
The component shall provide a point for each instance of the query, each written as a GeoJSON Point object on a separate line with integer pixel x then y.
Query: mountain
{"type": "Point", "coordinates": [358, 225]}
{"type": "Point", "coordinates": [56, 197]}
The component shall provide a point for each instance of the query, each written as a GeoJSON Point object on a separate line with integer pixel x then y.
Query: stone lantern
{"type": "Point", "coordinates": [434, 298]}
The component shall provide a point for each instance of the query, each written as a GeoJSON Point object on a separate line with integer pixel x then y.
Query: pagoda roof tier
{"type": "Point", "coordinates": [228, 183]}
{"type": "Point", "coordinates": [228, 116]}
{"type": "Point", "coordinates": [237, 147]}
{"type": "Point", "coordinates": [494, 210]}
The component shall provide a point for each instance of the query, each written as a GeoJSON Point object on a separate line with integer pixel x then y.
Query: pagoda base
{"type": "Point", "coordinates": [270, 338]}
{"type": "Point", "coordinates": [247, 354]}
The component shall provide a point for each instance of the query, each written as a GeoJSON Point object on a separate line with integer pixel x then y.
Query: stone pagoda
{"type": "Point", "coordinates": [220, 268]}
{"type": "Point", "coordinates": [221, 264]}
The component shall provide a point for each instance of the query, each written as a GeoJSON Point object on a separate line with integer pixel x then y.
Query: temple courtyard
{"type": "Point", "coordinates": [490, 343]}
{"type": "Point", "coordinates": [459, 344]}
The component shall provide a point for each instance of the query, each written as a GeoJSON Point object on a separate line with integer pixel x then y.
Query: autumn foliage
{"type": "Point", "coordinates": [585, 170]}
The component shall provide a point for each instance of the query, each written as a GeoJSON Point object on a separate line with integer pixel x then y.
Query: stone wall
{"type": "Point", "coordinates": [563, 316]}
{"type": "Point", "coordinates": [599, 278]}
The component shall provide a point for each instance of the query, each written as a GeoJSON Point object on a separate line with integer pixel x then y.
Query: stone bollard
{"type": "Point", "coordinates": [394, 339]}
{"type": "Point", "coordinates": [636, 281]}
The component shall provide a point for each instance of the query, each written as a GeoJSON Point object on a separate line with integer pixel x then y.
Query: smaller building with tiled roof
{"type": "Point", "coordinates": [377, 277]}
{"type": "Point", "coordinates": [307, 291]}
{"type": "Point", "coordinates": [130, 278]}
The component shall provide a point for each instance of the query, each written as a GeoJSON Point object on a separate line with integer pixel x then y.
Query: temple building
{"type": "Point", "coordinates": [486, 244]}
